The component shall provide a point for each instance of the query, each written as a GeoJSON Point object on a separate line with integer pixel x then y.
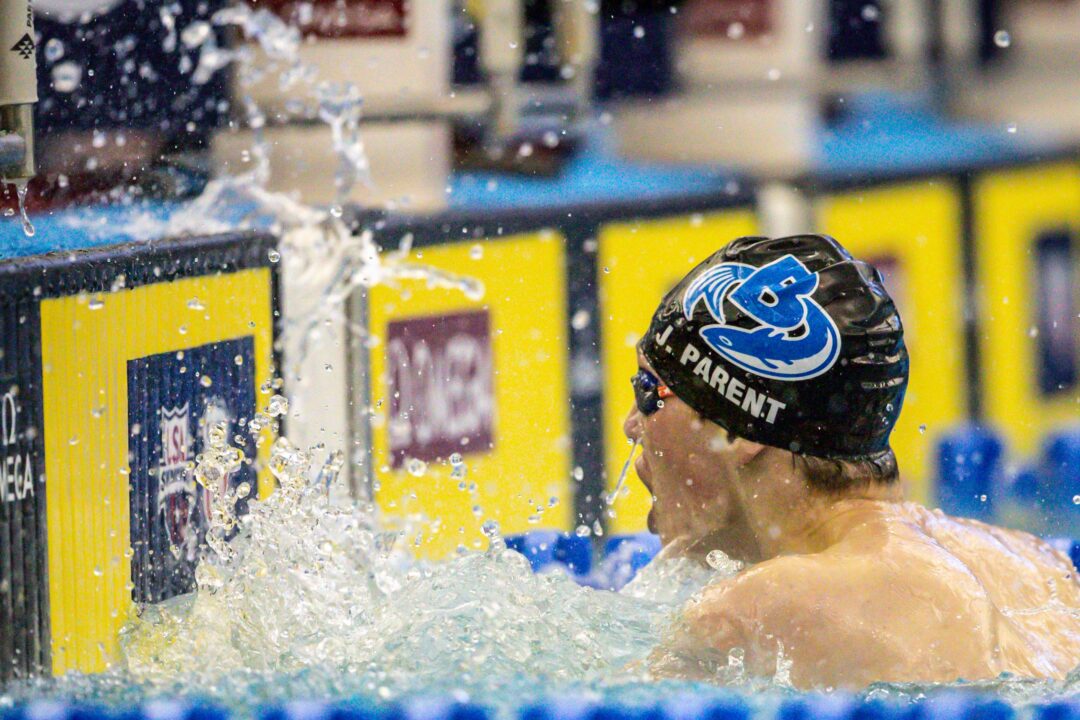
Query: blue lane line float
{"type": "Point", "coordinates": [809, 706]}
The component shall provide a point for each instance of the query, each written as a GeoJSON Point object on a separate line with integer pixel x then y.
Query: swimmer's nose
{"type": "Point", "coordinates": [632, 425]}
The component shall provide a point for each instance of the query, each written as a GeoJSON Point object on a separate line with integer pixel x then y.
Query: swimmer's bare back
{"type": "Point", "coordinates": [898, 593]}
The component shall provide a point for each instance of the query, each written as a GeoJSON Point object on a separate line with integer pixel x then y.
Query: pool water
{"type": "Point", "coordinates": [315, 598]}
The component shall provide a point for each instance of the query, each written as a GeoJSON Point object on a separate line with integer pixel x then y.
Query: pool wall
{"type": "Point", "coordinates": [970, 248]}
{"type": "Point", "coordinates": [114, 361]}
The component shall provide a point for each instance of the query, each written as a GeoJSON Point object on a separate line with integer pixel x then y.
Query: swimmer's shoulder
{"type": "Point", "coordinates": [791, 584]}
{"type": "Point", "coordinates": [978, 543]}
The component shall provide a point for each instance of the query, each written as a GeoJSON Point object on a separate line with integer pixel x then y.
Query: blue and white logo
{"type": "Point", "coordinates": [796, 339]}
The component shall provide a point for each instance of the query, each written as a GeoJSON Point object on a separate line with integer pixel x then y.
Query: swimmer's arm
{"type": "Point", "coordinates": [699, 644]}
{"type": "Point", "coordinates": [780, 606]}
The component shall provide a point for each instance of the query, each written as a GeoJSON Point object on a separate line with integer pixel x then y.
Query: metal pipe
{"type": "Point", "coordinates": [502, 53]}
{"type": "Point", "coordinates": [12, 150]}
{"type": "Point", "coordinates": [18, 88]}
{"type": "Point", "coordinates": [578, 31]}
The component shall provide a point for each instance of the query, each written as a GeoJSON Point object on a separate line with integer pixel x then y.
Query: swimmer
{"type": "Point", "coordinates": [769, 381]}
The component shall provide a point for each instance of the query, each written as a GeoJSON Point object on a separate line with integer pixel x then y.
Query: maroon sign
{"type": "Point", "coordinates": [343, 18]}
{"type": "Point", "coordinates": [732, 19]}
{"type": "Point", "coordinates": [439, 377]}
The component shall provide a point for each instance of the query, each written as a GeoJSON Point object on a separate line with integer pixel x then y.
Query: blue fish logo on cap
{"type": "Point", "coordinates": [796, 339]}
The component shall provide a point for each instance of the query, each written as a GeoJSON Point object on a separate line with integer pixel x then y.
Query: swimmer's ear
{"type": "Point", "coordinates": [745, 451]}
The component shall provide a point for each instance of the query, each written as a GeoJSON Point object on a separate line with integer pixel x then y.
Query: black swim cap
{"type": "Point", "coordinates": [789, 342]}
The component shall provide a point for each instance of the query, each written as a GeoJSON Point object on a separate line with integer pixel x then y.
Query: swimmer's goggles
{"type": "Point", "coordinates": [649, 392]}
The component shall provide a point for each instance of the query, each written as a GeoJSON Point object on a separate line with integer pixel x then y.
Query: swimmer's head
{"type": "Point", "coordinates": [785, 343]}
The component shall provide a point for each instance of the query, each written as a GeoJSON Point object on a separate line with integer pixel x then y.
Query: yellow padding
{"type": "Point", "coordinates": [913, 232]}
{"type": "Point", "coordinates": [525, 298]}
{"type": "Point", "coordinates": [1012, 208]}
{"type": "Point", "coordinates": [640, 261]}
{"type": "Point", "coordinates": [86, 343]}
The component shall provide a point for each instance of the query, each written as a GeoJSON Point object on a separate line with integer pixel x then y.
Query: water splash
{"type": "Point", "coordinates": [307, 584]}
{"type": "Point", "coordinates": [21, 186]}
{"type": "Point", "coordinates": [610, 499]}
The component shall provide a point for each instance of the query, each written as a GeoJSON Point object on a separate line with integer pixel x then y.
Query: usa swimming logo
{"type": "Point", "coordinates": [795, 340]}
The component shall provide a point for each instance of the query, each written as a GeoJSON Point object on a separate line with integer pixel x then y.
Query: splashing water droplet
{"type": "Point", "coordinates": [1002, 38]}
{"type": "Point", "coordinates": [277, 406]}
{"type": "Point", "coordinates": [195, 34]}
{"type": "Point", "coordinates": [610, 499]}
{"type": "Point", "coordinates": [717, 559]}
{"type": "Point", "coordinates": [416, 467]}
{"type": "Point", "coordinates": [21, 188]}
{"type": "Point", "coordinates": [54, 49]}
{"type": "Point", "coordinates": [205, 381]}
{"type": "Point", "coordinates": [66, 76]}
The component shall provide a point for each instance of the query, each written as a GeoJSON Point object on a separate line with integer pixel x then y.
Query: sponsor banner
{"type": "Point", "coordinates": [1027, 253]}
{"type": "Point", "coordinates": [729, 19]}
{"type": "Point", "coordinates": [484, 378]}
{"type": "Point", "coordinates": [174, 399]}
{"type": "Point", "coordinates": [351, 18]}
{"type": "Point", "coordinates": [112, 362]}
{"type": "Point", "coordinates": [1057, 302]}
{"type": "Point", "coordinates": [439, 377]}
{"type": "Point", "coordinates": [641, 261]}
{"type": "Point", "coordinates": [112, 324]}
{"type": "Point", "coordinates": [912, 233]}
{"type": "Point", "coordinates": [24, 606]}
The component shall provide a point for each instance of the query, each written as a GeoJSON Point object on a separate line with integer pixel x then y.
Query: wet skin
{"type": "Point", "coordinates": [856, 588]}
